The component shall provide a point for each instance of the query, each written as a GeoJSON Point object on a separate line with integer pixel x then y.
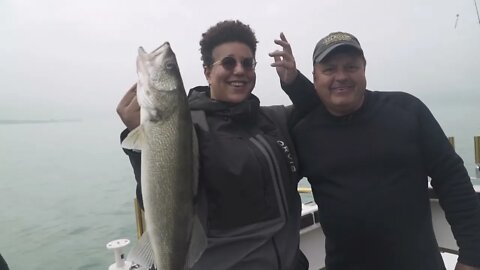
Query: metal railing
{"type": "Point", "coordinates": [476, 142]}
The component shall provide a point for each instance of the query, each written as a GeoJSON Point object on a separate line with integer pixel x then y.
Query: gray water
{"type": "Point", "coordinates": [67, 188]}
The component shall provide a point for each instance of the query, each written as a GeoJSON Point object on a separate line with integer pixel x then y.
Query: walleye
{"type": "Point", "coordinates": [169, 166]}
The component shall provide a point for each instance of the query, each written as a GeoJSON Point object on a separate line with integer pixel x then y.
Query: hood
{"type": "Point", "coordinates": [199, 99]}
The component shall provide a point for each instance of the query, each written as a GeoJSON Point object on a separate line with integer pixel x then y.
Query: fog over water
{"type": "Point", "coordinates": [67, 187]}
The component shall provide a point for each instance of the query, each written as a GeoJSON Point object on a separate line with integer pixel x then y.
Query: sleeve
{"type": "Point", "coordinates": [303, 96]}
{"type": "Point", "coordinates": [302, 93]}
{"type": "Point", "coordinates": [135, 160]}
{"type": "Point", "coordinates": [452, 184]}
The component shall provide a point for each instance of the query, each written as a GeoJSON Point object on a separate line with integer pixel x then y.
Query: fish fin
{"type": "Point", "coordinates": [134, 140]}
{"type": "Point", "coordinates": [198, 243]}
{"type": "Point", "coordinates": [142, 252]}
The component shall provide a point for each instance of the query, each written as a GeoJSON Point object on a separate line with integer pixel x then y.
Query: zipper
{"type": "Point", "coordinates": [274, 168]}
{"type": "Point", "coordinates": [278, 173]}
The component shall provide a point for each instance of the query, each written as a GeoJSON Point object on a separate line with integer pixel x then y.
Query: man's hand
{"type": "Point", "coordinates": [284, 61]}
{"type": "Point", "coordinates": [128, 108]}
{"type": "Point", "coordinates": [461, 266]}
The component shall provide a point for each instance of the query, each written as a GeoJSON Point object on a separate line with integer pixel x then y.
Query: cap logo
{"type": "Point", "coordinates": [336, 38]}
{"type": "Point", "coordinates": [332, 41]}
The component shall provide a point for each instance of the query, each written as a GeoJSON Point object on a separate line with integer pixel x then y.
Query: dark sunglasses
{"type": "Point", "coordinates": [229, 63]}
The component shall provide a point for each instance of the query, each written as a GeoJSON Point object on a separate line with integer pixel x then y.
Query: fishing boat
{"type": "Point", "coordinates": [312, 239]}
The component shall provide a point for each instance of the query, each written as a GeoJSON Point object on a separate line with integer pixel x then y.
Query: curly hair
{"type": "Point", "coordinates": [226, 31]}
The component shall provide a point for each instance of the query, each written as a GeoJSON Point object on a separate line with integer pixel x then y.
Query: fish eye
{"type": "Point", "coordinates": [170, 65]}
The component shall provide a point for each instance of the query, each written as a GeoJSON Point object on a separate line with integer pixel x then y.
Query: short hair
{"type": "Point", "coordinates": [226, 31]}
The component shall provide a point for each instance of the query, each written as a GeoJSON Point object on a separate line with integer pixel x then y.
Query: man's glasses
{"type": "Point", "coordinates": [229, 63]}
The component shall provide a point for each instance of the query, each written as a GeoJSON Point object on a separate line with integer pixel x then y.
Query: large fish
{"type": "Point", "coordinates": [169, 153]}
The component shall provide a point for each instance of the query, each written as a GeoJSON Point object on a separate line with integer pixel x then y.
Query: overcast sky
{"type": "Point", "coordinates": [63, 58]}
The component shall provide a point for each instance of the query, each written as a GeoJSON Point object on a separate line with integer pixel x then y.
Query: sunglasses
{"type": "Point", "coordinates": [229, 63]}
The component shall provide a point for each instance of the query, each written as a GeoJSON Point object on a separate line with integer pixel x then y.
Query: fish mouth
{"type": "Point", "coordinates": [164, 48]}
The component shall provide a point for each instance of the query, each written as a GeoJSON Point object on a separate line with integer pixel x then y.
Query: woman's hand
{"type": "Point", "coordinates": [128, 108]}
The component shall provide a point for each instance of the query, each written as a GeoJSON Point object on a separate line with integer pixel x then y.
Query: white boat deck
{"type": "Point", "coordinates": [312, 239]}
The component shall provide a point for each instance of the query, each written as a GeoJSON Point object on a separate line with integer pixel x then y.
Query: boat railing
{"type": "Point", "coordinates": [139, 218]}
{"type": "Point", "coordinates": [476, 149]}
{"type": "Point", "coordinates": [476, 141]}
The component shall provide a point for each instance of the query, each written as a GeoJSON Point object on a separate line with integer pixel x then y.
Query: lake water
{"type": "Point", "coordinates": [67, 189]}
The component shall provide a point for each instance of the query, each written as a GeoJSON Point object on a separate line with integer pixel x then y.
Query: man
{"type": "Point", "coordinates": [368, 156]}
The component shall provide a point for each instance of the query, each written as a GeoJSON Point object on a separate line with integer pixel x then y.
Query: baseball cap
{"type": "Point", "coordinates": [332, 41]}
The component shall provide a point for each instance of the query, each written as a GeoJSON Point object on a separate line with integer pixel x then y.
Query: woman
{"type": "Point", "coordinates": [247, 167]}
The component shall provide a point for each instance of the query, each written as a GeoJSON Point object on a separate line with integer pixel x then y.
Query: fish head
{"type": "Point", "coordinates": [159, 80]}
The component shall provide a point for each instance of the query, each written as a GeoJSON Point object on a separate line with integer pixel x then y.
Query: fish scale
{"type": "Point", "coordinates": [169, 151]}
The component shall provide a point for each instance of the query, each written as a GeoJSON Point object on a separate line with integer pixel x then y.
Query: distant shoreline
{"type": "Point", "coordinates": [13, 122]}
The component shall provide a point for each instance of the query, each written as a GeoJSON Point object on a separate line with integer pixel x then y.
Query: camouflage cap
{"type": "Point", "coordinates": [332, 41]}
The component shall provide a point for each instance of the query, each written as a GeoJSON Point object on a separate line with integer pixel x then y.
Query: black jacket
{"type": "Point", "coordinates": [369, 173]}
{"type": "Point", "coordinates": [248, 171]}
